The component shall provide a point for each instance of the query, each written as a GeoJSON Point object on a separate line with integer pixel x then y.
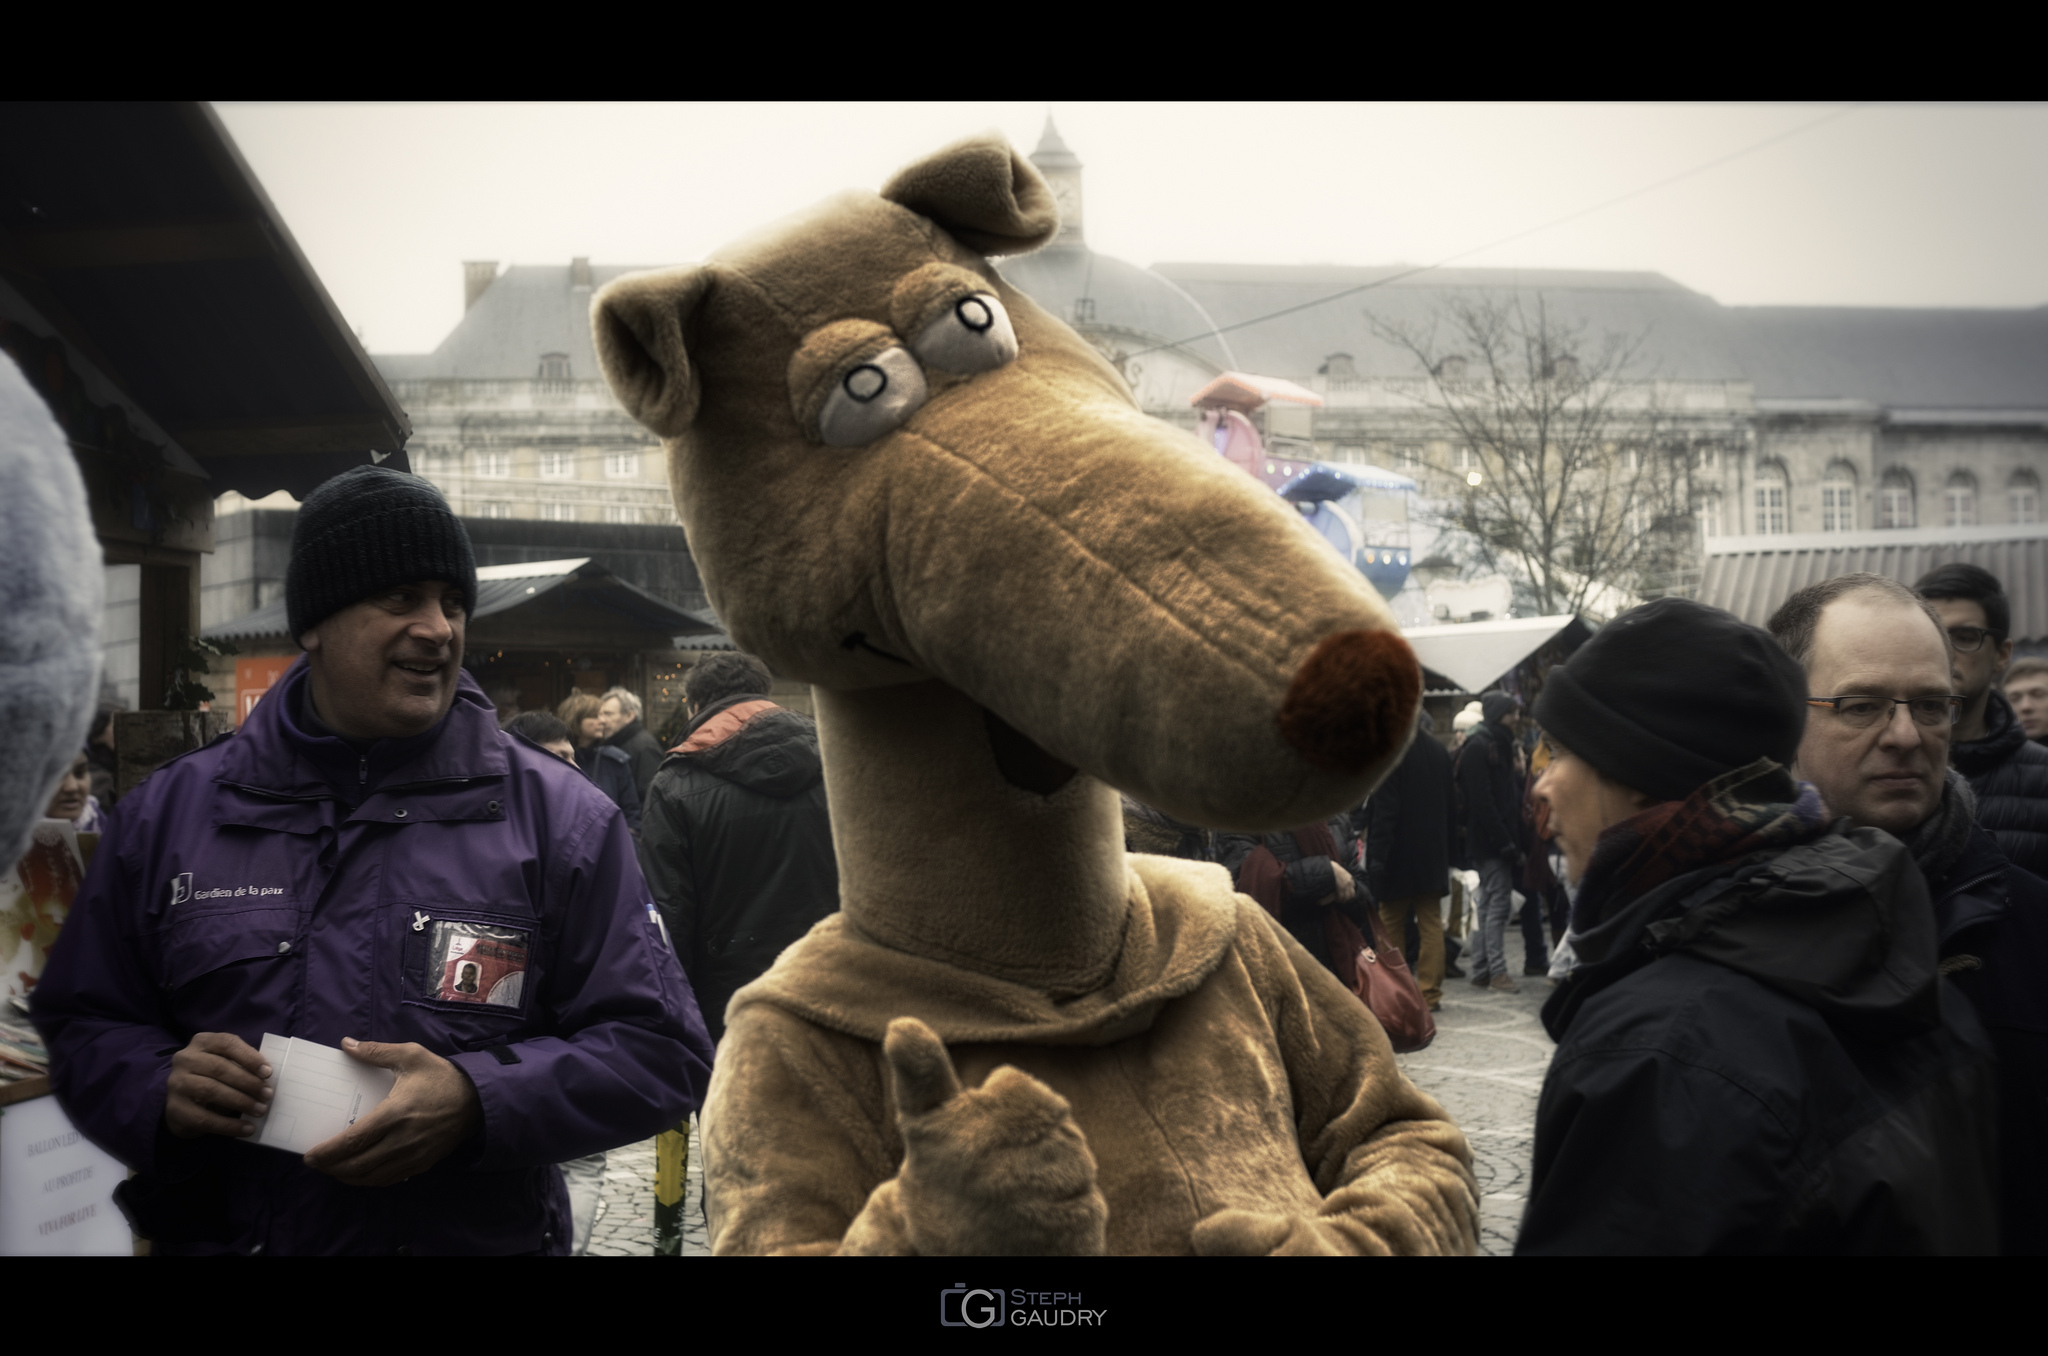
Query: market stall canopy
{"type": "Point", "coordinates": [1476, 654]}
{"type": "Point", "coordinates": [138, 233]}
{"type": "Point", "coordinates": [1322, 481]}
{"type": "Point", "coordinates": [1242, 390]}
{"type": "Point", "coordinates": [1753, 576]}
{"type": "Point", "coordinates": [537, 605]}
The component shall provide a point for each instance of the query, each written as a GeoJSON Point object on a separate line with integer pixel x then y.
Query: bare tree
{"type": "Point", "coordinates": [1561, 460]}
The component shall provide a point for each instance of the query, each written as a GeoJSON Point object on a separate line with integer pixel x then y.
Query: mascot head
{"type": "Point", "coordinates": [893, 468]}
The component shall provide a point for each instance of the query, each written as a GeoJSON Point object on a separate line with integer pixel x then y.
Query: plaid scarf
{"type": "Point", "coordinates": [1751, 809]}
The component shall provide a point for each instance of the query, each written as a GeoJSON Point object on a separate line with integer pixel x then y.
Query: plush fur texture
{"type": "Point", "coordinates": [52, 592]}
{"type": "Point", "coordinates": [1025, 595]}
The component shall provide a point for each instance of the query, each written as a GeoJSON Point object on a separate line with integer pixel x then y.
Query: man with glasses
{"type": "Point", "coordinates": [2008, 772]}
{"type": "Point", "coordinates": [1881, 710]}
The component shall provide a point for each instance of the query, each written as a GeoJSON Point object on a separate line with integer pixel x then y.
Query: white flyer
{"type": "Point", "coordinates": [317, 1092]}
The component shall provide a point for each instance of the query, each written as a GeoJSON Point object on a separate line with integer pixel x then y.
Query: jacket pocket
{"type": "Point", "coordinates": [198, 944]}
{"type": "Point", "coordinates": [468, 962]}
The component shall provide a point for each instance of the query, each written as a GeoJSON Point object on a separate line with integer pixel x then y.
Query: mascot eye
{"type": "Point", "coordinates": [971, 335]}
{"type": "Point", "coordinates": [871, 398]}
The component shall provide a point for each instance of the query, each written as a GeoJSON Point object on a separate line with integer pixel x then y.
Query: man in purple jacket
{"type": "Point", "coordinates": [369, 863]}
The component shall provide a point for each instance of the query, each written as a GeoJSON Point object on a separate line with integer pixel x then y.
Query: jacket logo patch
{"type": "Point", "coordinates": [181, 888]}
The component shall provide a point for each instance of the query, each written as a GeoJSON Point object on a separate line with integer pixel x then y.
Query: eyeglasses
{"type": "Point", "coordinates": [1968, 639]}
{"type": "Point", "coordinates": [1862, 712]}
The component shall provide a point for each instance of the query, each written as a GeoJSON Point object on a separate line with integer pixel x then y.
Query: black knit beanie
{"type": "Point", "coordinates": [1670, 695]}
{"type": "Point", "coordinates": [367, 529]}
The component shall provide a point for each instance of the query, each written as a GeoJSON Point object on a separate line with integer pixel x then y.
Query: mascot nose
{"type": "Point", "coordinates": [1352, 701]}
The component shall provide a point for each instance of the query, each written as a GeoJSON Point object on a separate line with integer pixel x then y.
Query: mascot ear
{"type": "Point", "coordinates": [637, 322]}
{"type": "Point", "coordinates": [986, 195]}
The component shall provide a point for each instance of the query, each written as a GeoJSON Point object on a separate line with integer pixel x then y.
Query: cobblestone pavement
{"type": "Point", "coordinates": [1486, 1066]}
{"type": "Point", "coordinates": [625, 1218]}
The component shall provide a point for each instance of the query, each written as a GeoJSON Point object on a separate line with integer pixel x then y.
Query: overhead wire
{"type": "Point", "coordinates": [1448, 259]}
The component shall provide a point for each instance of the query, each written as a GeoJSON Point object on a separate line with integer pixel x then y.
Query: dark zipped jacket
{"type": "Point", "coordinates": [738, 845]}
{"type": "Point", "coordinates": [1490, 794]}
{"type": "Point", "coordinates": [1410, 820]}
{"type": "Point", "coordinates": [2009, 774]}
{"type": "Point", "coordinates": [1992, 919]}
{"type": "Point", "coordinates": [1761, 1057]}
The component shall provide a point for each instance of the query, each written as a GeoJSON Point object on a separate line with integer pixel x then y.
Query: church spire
{"type": "Point", "coordinates": [1062, 171]}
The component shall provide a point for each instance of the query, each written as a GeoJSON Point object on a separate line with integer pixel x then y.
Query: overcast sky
{"type": "Point", "coordinates": [1884, 206]}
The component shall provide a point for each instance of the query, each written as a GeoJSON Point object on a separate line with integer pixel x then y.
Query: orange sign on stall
{"type": "Point", "coordinates": [253, 678]}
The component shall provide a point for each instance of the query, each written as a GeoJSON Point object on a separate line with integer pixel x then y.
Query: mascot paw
{"type": "Point", "coordinates": [1256, 1233]}
{"type": "Point", "coordinates": [1001, 1168]}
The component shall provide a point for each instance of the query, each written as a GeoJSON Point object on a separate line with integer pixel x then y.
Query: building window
{"type": "Point", "coordinates": [1462, 459]}
{"type": "Point", "coordinates": [494, 465]}
{"type": "Point", "coordinates": [491, 508]}
{"type": "Point", "coordinates": [557, 465]}
{"type": "Point", "coordinates": [1770, 501]}
{"type": "Point", "coordinates": [1710, 516]}
{"type": "Point", "coordinates": [1710, 461]}
{"type": "Point", "coordinates": [2023, 497]}
{"type": "Point", "coordinates": [1408, 458]}
{"type": "Point", "coordinates": [1959, 499]}
{"type": "Point", "coordinates": [621, 513]}
{"type": "Point", "coordinates": [1838, 499]}
{"type": "Point", "coordinates": [554, 368]}
{"type": "Point", "coordinates": [1895, 499]}
{"type": "Point", "coordinates": [622, 465]}
{"type": "Point", "coordinates": [557, 512]}
{"type": "Point", "coordinates": [1353, 453]}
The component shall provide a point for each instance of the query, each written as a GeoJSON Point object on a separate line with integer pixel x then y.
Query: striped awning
{"type": "Point", "coordinates": [1753, 576]}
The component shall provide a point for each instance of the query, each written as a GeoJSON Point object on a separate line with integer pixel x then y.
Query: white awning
{"type": "Point", "coordinates": [1475, 654]}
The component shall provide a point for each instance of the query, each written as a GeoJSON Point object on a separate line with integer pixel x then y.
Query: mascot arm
{"type": "Point", "coordinates": [1395, 1172]}
{"type": "Point", "coordinates": [998, 1169]}
{"type": "Point", "coordinates": [800, 1157]}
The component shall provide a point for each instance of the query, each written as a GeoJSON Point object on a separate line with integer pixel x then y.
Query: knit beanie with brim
{"type": "Point", "coordinates": [367, 529]}
{"type": "Point", "coordinates": [1672, 694]}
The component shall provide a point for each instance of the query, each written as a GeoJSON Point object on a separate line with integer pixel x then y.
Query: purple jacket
{"type": "Point", "coordinates": [458, 889]}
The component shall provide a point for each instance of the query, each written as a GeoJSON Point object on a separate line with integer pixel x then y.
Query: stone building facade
{"type": "Point", "coordinates": [511, 417]}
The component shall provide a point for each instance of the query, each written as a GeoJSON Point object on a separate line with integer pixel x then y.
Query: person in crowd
{"type": "Point", "coordinates": [1299, 875]}
{"type": "Point", "coordinates": [1151, 830]}
{"type": "Point", "coordinates": [326, 874]}
{"type": "Point", "coordinates": [2007, 772]}
{"type": "Point", "coordinates": [1489, 790]}
{"type": "Point", "coordinates": [619, 718]}
{"type": "Point", "coordinates": [1757, 1052]}
{"type": "Point", "coordinates": [584, 1177]}
{"type": "Point", "coordinates": [578, 713]}
{"type": "Point", "coordinates": [1880, 676]}
{"type": "Point", "coordinates": [99, 748]}
{"type": "Point", "coordinates": [1464, 723]}
{"type": "Point", "coordinates": [1408, 823]}
{"type": "Point", "coordinates": [609, 767]}
{"type": "Point", "coordinates": [738, 841]}
{"type": "Point", "coordinates": [2026, 688]}
{"type": "Point", "coordinates": [74, 799]}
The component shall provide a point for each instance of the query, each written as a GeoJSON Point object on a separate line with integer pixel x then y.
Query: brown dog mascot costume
{"type": "Point", "coordinates": [909, 486]}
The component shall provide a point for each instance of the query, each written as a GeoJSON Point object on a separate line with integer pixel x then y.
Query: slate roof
{"type": "Point", "coordinates": [529, 310]}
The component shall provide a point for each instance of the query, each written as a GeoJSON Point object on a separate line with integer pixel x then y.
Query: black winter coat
{"type": "Point", "coordinates": [738, 848]}
{"type": "Point", "coordinates": [1491, 791]}
{"type": "Point", "coordinates": [612, 772]}
{"type": "Point", "coordinates": [639, 744]}
{"type": "Point", "coordinates": [2009, 773]}
{"type": "Point", "coordinates": [1409, 823]}
{"type": "Point", "coordinates": [1761, 1057]}
{"type": "Point", "coordinates": [1308, 879]}
{"type": "Point", "coordinates": [1993, 923]}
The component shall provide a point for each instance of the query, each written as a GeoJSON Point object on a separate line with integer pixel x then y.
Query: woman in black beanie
{"type": "Point", "coordinates": [1756, 1052]}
